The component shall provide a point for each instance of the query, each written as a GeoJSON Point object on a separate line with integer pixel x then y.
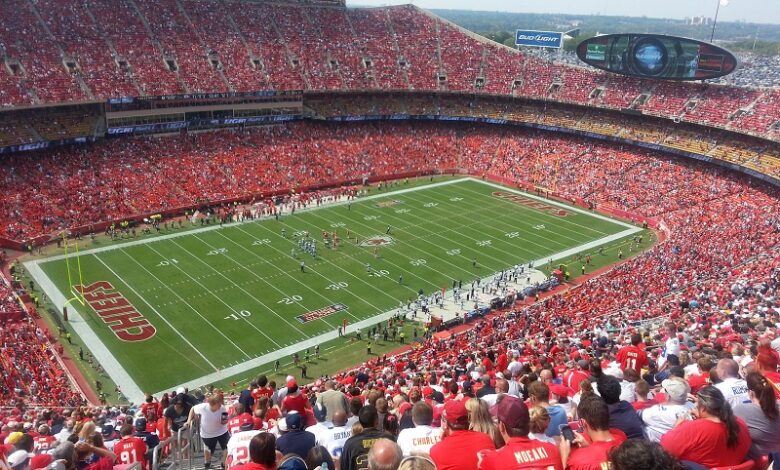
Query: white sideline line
{"type": "Point", "coordinates": [363, 324]}
{"type": "Point", "coordinates": [114, 369]}
{"type": "Point", "coordinates": [131, 390]}
{"type": "Point", "coordinates": [249, 221]}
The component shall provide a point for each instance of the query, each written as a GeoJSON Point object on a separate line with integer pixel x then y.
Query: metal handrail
{"type": "Point", "coordinates": [158, 451]}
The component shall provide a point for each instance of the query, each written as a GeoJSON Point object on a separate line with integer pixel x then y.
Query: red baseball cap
{"type": "Point", "coordinates": [512, 412]}
{"type": "Point", "coordinates": [455, 411]}
{"type": "Point", "coordinates": [292, 383]}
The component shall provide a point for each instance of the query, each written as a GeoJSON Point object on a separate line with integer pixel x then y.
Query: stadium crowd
{"type": "Point", "coordinates": [679, 341]}
{"type": "Point", "coordinates": [67, 50]}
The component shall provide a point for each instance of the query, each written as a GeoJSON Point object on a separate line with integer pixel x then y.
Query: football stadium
{"type": "Point", "coordinates": [306, 234]}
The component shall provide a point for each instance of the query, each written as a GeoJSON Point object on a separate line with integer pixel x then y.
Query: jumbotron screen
{"type": "Point", "coordinates": [657, 56]}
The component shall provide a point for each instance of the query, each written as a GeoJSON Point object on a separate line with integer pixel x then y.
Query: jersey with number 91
{"type": "Point", "coordinates": [130, 450]}
{"type": "Point", "coordinates": [238, 448]}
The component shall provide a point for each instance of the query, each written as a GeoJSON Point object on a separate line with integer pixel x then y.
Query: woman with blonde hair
{"type": "Point", "coordinates": [417, 462]}
{"type": "Point", "coordinates": [481, 421]}
{"type": "Point", "coordinates": [540, 420]}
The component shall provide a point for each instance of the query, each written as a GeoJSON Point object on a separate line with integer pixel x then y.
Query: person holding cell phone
{"type": "Point", "coordinates": [589, 448]}
{"type": "Point", "coordinates": [213, 417]}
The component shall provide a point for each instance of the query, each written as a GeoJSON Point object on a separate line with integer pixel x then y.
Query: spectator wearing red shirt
{"type": "Point", "coordinates": [767, 360]}
{"type": "Point", "coordinates": [578, 373]}
{"type": "Point", "coordinates": [152, 411]}
{"type": "Point", "coordinates": [697, 381]}
{"type": "Point", "coordinates": [294, 401]}
{"type": "Point", "coordinates": [262, 390]}
{"type": "Point", "coordinates": [44, 441]}
{"type": "Point", "coordinates": [240, 418]}
{"type": "Point", "coordinates": [459, 446]}
{"type": "Point", "coordinates": [715, 438]}
{"type": "Point", "coordinates": [262, 453]}
{"type": "Point", "coordinates": [632, 357]}
{"type": "Point", "coordinates": [130, 449]}
{"type": "Point", "coordinates": [520, 452]}
{"type": "Point", "coordinates": [590, 451]}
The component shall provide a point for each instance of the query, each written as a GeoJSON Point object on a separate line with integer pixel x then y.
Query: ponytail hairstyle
{"type": "Point", "coordinates": [714, 403]}
{"type": "Point", "coordinates": [760, 386]}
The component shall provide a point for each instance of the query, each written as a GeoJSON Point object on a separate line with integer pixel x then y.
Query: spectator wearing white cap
{"type": "Point", "coordinates": [661, 418]}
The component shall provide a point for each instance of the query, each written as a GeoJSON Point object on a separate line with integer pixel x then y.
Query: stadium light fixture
{"type": "Point", "coordinates": [715, 20]}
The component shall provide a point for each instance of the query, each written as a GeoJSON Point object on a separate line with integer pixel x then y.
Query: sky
{"type": "Point", "coordinates": [754, 11]}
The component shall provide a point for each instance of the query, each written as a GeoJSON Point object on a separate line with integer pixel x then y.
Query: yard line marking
{"type": "Point", "coordinates": [132, 289]}
{"type": "Point", "coordinates": [553, 202]}
{"type": "Point", "coordinates": [439, 233]}
{"type": "Point", "coordinates": [192, 231]}
{"type": "Point", "coordinates": [104, 356]}
{"type": "Point", "coordinates": [269, 358]}
{"type": "Point", "coordinates": [428, 254]}
{"type": "Point", "coordinates": [513, 225]}
{"type": "Point", "coordinates": [306, 286]}
{"type": "Point", "coordinates": [182, 298]}
{"type": "Point", "coordinates": [242, 290]}
{"type": "Point", "coordinates": [346, 255]}
{"type": "Point", "coordinates": [560, 222]}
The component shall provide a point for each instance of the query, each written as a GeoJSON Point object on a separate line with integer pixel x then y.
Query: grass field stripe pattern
{"type": "Point", "coordinates": [109, 362]}
{"type": "Point", "coordinates": [217, 227]}
{"type": "Point", "coordinates": [270, 358]}
{"type": "Point", "coordinates": [179, 296]}
{"type": "Point", "coordinates": [184, 338]}
{"type": "Point", "coordinates": [236, 293]}
{"type": "Point", "coordinates": [304, 284]}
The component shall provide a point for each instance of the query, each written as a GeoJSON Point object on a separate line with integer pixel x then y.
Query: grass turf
{"type": "Point", "coordinates": [224, 296]}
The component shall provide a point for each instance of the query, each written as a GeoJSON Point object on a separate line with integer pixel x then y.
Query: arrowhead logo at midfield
{"type": "Point", "coordinates": [377, 240]}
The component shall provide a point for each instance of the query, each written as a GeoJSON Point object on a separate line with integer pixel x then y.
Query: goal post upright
{"type": "Point", "coordinates": [78, 294]}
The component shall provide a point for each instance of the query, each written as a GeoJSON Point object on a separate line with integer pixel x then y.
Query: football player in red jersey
{"type": "Point", "coordinates": [130, 449]}
{"type": "Point", "coordinates": [44, 441]}
{"type": "Point", "coordinates": [240, 418]}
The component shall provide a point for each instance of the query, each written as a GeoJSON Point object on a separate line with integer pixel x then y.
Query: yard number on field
{"type": "Point", "coordinates": [454, 252]}
{"type": "Point", "coordinates": [290, 300]}
{"type": "Point", "coordinates": [402, 211]}
{"type": "Point", "coordinates": [264, 241]}
{"type": "Point", "coordinates": [431, 204]}
{"type": "Point", "coordinates": [337, 286]}
{"type": "Point", "coordinates": [217, 251]}
{"type": "Point", "coordinates": [484, 243]}
{"type": "Point", "coordinates": [418, 262]}
{"type": "Point", "coordinates": [539, 227]}
{"type": "Point", "coordinates": [512, 234]}
{"type": "Point", "coordinates": [369, 218]}
{"type": "Point", "coordinates": [168, 262]}
{"type": "Point", "coordinates": [456, 199]}
{"type": "Point", "coordinates": [239, 315]}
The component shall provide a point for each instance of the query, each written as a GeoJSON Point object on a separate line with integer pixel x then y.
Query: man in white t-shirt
{"type": "Point", "coordinates": [419, 439]}
{"type": "Point", "coordinates": [502, 388]}
{"type": "Point", "coordinates": [734, 389]}
{"type": "Point", "coordinates": [660, 419]}
{"type": "Point", "coordinates": [213, 417]}
{"type": "Point", "coordinates": [333, 438]}
{"type": "Point", "coordinates": [672, 346]}
{"type": "Point", "coordinates": [238, 446]}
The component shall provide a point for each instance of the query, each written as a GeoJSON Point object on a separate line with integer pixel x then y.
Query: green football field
{"type": "Point", "coordinates": [213, 303]}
